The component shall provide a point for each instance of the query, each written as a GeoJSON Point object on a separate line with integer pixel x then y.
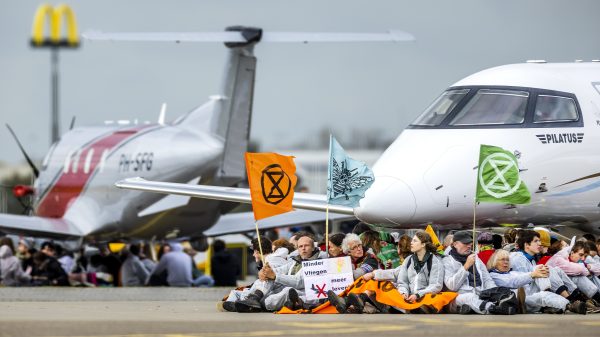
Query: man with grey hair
{"type": "Point", "coordinates": [282, 286]}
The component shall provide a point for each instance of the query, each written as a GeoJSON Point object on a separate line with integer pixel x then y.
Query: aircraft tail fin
{"type": "Point", "coordinates": [235, 106]}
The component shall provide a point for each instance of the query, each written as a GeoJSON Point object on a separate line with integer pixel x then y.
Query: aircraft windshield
{"type": "Point", "coordinates": [441, 107]}
{"type": "Point", "coordinates": [493, 106]}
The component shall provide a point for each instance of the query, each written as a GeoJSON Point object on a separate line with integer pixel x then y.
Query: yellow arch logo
{"type": "Point", "coordinates": [55, 16]}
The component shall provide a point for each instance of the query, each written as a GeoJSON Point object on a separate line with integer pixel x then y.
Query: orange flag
{"type": "Point", "coordinates": [272, 178]}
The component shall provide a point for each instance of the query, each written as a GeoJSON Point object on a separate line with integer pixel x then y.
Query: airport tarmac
{"type": "Point", "coordinates": [157, 312]}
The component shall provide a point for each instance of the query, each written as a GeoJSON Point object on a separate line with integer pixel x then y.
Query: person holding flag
{"type": "Point", "coordinates": [272, 179]}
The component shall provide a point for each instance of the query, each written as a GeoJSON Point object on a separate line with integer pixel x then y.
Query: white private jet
{"type": "Point", "coordinates": [547, 114]}
{"type": "Point", "coordinates": [74, 195]}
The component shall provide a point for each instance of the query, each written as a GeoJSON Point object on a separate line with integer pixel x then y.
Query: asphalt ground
{"type": "Point", "coordinates": [168, 312]}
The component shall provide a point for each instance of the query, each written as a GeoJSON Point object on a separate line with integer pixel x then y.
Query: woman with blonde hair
{"type": "Point", "coordinates": [536, 299]}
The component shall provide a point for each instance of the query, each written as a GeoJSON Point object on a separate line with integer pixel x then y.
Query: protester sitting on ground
{"type": "Point", "coordinates": [404, 247]}
{"type": "Point", "coordinates": [6, 241]}
{"type": "Point", "coordinates": [448, 239]}
{"type": "Point", "coordinates": [11, 273]}
{"type": "Point", "coordinates": [178, 266]}
{"type": "Point", "coordinates": [545, 242]}
{"type": "Point", "coordinates": [372, 244]}
{"type": "Point", "coordinates": [523, 260]}
{"type": "Point", "coordinates": [592, 261]}
{"type": "Point", "coordinates": [362, 261]}
{"type": "Point", "coordinates": [510, 238]}
{"type": "Point", "coordinates": [25, 253]}
{"type": "Point", "coordinates": [281, 249]}
{"type": "Point", "coordinates": [385, 249]}
{"type": "Point", "coordinates": [284, 286]}
{"type": "Point", "coordinates": [497, 241]}
{"type": "Point", "coordinates": [465, 274]}
{"type": "Point", "coordinates": [294, 241]}
{"type": "Point", "coordinates": [421, 273]}
{"type": "Point", "coordinates": [198, 277]}
{"type": "Point", "coordinates": [133, 272]}
{"type": "Point", "coordinates": [535, 300]}
{"type": "Point", "coordinates": [47, 271]}
{"type": "Point", "coordinates": [162, 250]}
{"type": "Point", "coordinates": [485, 245]}
{"type": "Point", "coordinates": [568, 260]}
{"type": "Point", "coordinates": [240, 294]}
{"type": "Point", "coordinates": [65, 258]}
{"type": "Point", "coordinates": [335, 245]}
{"type": "Point", "coordinates": [224, 266]}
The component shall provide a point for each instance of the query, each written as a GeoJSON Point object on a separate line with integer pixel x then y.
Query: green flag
{"type": "Point", "coordinates": [498, 177]}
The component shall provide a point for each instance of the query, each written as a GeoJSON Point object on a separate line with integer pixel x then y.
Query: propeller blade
{"type": "Point", "coordinates": [36, 172]}
{"type": "Point", "coordinates": [72, 123]}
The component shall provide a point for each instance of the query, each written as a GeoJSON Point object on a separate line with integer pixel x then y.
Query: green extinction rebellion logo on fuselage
{"type": "Point", "coordinates": [558, 138]}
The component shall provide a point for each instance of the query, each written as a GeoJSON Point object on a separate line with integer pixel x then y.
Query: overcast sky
{"type": "Point", "coordinates": [299, 87]}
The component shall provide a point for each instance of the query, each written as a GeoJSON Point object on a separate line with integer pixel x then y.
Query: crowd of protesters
{"type": "Point", "coordinates": [523, 271]}
{"type": "Point", "coordinates": [52, 265]}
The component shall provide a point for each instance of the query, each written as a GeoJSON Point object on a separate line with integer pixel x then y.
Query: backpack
{"type": "Point", "coordinates": [499, 296]}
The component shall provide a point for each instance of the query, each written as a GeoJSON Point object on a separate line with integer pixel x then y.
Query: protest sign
{"type": "Point", "coordinates": [323, 275]}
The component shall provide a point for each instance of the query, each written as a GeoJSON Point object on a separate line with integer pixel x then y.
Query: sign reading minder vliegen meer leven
{"type": "Point", "coordinates": [327, 274]}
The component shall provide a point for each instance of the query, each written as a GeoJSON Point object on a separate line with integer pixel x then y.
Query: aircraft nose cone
{"type": "Point", "coordinates": [388, 200]}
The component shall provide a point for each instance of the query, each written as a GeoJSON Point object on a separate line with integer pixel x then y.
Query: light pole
{"type": "Point", "coordinates": [54, 15]}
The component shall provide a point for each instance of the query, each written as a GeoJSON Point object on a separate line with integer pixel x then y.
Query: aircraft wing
{"type": "Point", "coordinates": [234, 223]}
{"type": "Point", "coordinates": [307, 201]}
{"type": "Point", "coordinates": [37, 226]}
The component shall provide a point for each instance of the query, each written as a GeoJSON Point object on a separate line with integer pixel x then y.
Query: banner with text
{"type": "Point", "coordinates": [321, 276]}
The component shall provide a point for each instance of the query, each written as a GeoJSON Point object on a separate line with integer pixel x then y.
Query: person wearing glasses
{"type": "Point", "coordinates": [536, 299]}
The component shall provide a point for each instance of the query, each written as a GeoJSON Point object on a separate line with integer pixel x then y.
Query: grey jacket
{"type": "Point", "coordinates": [284, 275]}
{"type": "Point", "coordinates": [409, 282]}
{"type": "Point", "coordinates": [11, 272]}
{"type": "Point", "coordinates": [178, 266]}
{"type": "Point", "coordinates": [456, 278]}
{"type": "Point", "coordinates": [134, 272]}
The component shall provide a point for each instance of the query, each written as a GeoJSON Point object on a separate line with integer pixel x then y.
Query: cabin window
{"type": "Point", "coordinates": [441, 107]}
{"type": "Point", "coordinates": [554, 109]}
{"type": "Point", "coordinates": [493, 107]}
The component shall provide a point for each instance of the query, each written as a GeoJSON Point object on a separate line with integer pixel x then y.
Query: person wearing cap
{"type": "Point", "coordinates": [545, 243]}
{"type": "Point", "coordinates": [485, 245]}
{"type": "Point", "coordinates": [523, 260]}
{"type": "Point", "coordinates": [535, 299]}
{"type": "Point", "coordinates": [465, 274]}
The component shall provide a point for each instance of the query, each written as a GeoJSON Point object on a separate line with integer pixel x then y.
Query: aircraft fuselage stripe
{"type": "Point", "coordinates": [70, 185]}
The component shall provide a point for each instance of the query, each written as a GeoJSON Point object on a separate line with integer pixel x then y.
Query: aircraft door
{"type": "Point", "coordinates": [451, 178]}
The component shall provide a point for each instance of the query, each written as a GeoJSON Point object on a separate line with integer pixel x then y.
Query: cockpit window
{"type": "Point", "coordinates": [441, 107]}
{"type": "Point", "coordinates": [493, 107]}
{"type": "Point", "coordinates": [554, 109]}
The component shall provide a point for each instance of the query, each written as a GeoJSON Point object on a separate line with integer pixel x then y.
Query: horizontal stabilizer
{"type": "Point", "coordinates": [236, 36]}
{"type": "Point", "coordinates": [234, 223]}
{"type": "Point", "coordinates": [308, 201]}
{"type": "Point", "coordinates": [37, 226]}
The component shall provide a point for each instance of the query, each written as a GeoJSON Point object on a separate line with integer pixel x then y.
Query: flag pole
{"type": "Point", "coordinates": [327, 230]}
{"type": "Point", "coordinates": [475, 264]}
{"type": "Point", "coordinates": [262, 257]}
